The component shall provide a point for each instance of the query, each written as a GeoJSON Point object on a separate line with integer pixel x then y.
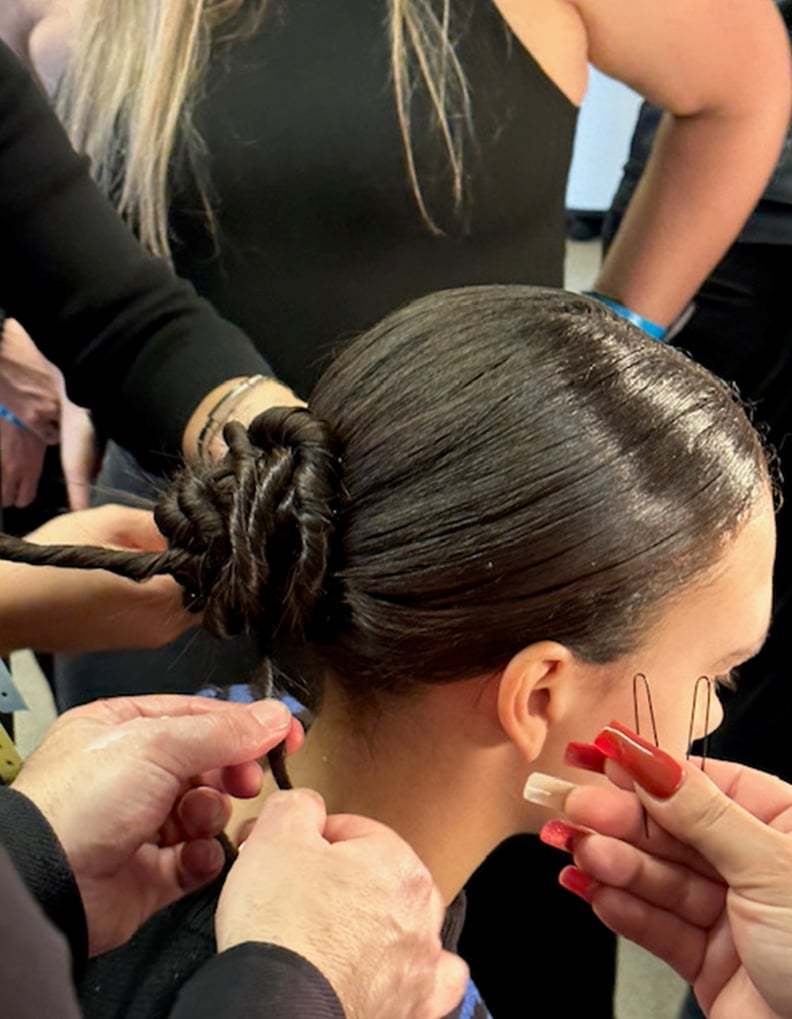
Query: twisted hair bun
{"type": "Point", "coordinates": [254, 530]}
{"type": "Point", "coordinates": [249, 537]}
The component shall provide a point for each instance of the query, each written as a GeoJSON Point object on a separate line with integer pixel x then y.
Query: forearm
{"type": "Point", "coordinates": [233, 400]}
{"type": "Point", "coordinates": [46, 609]}
{"type": "Point", "coordinates": [703, 179]}
{"type": "Point", "coordinates": [19, 627]}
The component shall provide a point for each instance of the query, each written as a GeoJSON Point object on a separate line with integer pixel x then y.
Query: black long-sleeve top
{"type": "Point", "coordinates": [42, 924]}
{"type": "Point", "coordinates": [135, 343]}
{"type": "Point", "coordinates": [318, 234]}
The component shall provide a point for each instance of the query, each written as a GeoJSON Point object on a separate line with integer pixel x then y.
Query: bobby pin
{"type": "Point", "coordinates": [639, 679]}
{"type": "Point", "coordinates": [705, 737]}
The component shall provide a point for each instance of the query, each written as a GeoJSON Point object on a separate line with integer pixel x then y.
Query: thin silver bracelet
{"type": "Point", "coordinates": [230, 398]}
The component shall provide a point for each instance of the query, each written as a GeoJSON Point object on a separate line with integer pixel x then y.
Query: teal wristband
{"type": "Point", "coordinates": [650, 328]}
{"type": "Point", "coordinates": [9, 416]}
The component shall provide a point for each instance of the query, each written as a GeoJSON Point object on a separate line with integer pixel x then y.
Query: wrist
{"type": "Point", "coordinates": [657, 332]}
{"type": "Point", "coordinates": [239, 399]}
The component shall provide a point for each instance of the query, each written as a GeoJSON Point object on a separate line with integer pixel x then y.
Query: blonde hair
{"type": "Point", "coordinates": [127, 97]}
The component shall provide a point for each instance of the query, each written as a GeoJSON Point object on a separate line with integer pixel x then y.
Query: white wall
{"type": "Point", "coordinates": [605, 125]}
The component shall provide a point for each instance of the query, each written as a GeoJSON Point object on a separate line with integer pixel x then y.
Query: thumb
{"type": "Point", "coordinates": [296, 815]}
{"type": "Point", "coordinates": [189, 745]}
{"type": "Point", "coordinates": [700, 815]}
{"type": "Point", "coordinates": [691, 807]}
{"type": "Point", "coordinates": [451, 983]}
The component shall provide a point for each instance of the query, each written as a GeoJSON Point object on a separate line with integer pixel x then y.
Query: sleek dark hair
{"type": "Point", "coordinates": [485, 468]}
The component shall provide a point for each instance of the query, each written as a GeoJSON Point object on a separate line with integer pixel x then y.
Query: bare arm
{"type": "Point", "coordinates": [38, 32]}
{"type": "Point", "coordinates": [71, 611]}
{"type": "Point", "coordinates": [721, 70]}
{"type": "Point", "coordinates": [17, 19]}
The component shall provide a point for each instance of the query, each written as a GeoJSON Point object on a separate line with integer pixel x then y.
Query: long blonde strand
{"type": "Point", "coordinates": [420, 37]}
{"type": "Point", "coordinates": [128, 95]}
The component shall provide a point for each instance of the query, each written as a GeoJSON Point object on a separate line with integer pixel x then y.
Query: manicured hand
{"type": "Point", "coordinates": [709, 890]}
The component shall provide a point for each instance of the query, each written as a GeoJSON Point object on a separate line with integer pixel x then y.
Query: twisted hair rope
{"type": "Point", "coordinates": [137, 566]}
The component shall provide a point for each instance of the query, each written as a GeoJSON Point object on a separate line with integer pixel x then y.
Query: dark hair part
{"type": "Point", "coordinates": [485, 468]}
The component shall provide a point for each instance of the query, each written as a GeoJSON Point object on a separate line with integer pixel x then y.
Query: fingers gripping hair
{"type": "Point", "coordinates": [249, 537]}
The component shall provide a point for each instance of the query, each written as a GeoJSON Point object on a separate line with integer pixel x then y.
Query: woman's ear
{"type": "Point", "coordinates": [530, 687]}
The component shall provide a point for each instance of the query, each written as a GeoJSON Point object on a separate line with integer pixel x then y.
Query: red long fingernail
{"type": "Point", "coordinates": [654, 769]}
{"type": "Point", "coordinates": [585, 756]}
{"type": "Point", "coordinates": [560, 835]}
{"type": "Point", "coordinates": [576, 881]}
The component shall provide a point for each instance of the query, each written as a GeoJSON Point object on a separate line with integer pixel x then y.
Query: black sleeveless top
{"type": "Point", "coordinates": [318, 231]}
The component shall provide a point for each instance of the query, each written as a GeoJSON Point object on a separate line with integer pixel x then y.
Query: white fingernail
{"type": "Point", "coordinates": [547, 791]}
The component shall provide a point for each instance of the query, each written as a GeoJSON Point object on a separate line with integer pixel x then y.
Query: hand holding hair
{"type": "Point", "coordinates": [136, 789]}
{"type": "Point", "coordinates": [710, 890]}
{"type": "Point", "coordinates": [248, 537]}
{"type": "Point", "coordinates": [74, 611]}
{"type": "Point", "coordinates": [350, 896]}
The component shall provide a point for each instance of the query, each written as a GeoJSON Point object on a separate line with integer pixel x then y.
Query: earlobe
{"type": "Point", "coordinates": [527, 694]}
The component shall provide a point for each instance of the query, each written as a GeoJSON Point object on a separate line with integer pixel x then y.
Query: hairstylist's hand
{"type": "Point", "coordinates": [81, 456]}
{"type": "Point", "coordinates": [21, 460]}
{"type": "Point", "coordinates": [29, 383]}
{"type": "Point", "coordinates": [118, 781]}
{"type": "Point", "coordinates": [710, 890]}
{"type": "Point", "coordinates": [350, 896]}
{"type": "Point", "coordinates": [53, 609]}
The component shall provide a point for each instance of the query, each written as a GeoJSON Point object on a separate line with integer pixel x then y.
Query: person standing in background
{"type": "Point", "coordinates": [355, 157]}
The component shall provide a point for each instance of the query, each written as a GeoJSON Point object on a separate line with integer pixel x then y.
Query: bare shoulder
{"type": "Point", "coordinates": [38, 32]}
{"type": "Point", "coordinates": [16, 23]}
{"type": "Point", "coordinates": [49, 43]}
{"type": "Point", "coordinates": [681, 54]}
{"type": "Point", "coordinates": [554, 33]}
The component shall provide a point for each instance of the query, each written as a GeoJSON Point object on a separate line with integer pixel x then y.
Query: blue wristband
{"type": "Point", "coordinates": [8, 415]}
{"type": "Point", "coordinates": [650, 328]}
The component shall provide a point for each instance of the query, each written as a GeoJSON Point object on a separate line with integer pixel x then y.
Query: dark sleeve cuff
{"type": "Point", "coordinates": [41, 862]}
{"type": "Point", "coordinates": [171, 373]}
{"type": "Point", "coordinates": [253, 981]}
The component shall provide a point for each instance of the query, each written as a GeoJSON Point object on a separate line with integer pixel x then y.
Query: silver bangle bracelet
{"type": "Point", "coordinates": [228, 401]}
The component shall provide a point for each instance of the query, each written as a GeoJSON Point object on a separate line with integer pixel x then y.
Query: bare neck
{"type": "Point", "coordinates": [440, 775]}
